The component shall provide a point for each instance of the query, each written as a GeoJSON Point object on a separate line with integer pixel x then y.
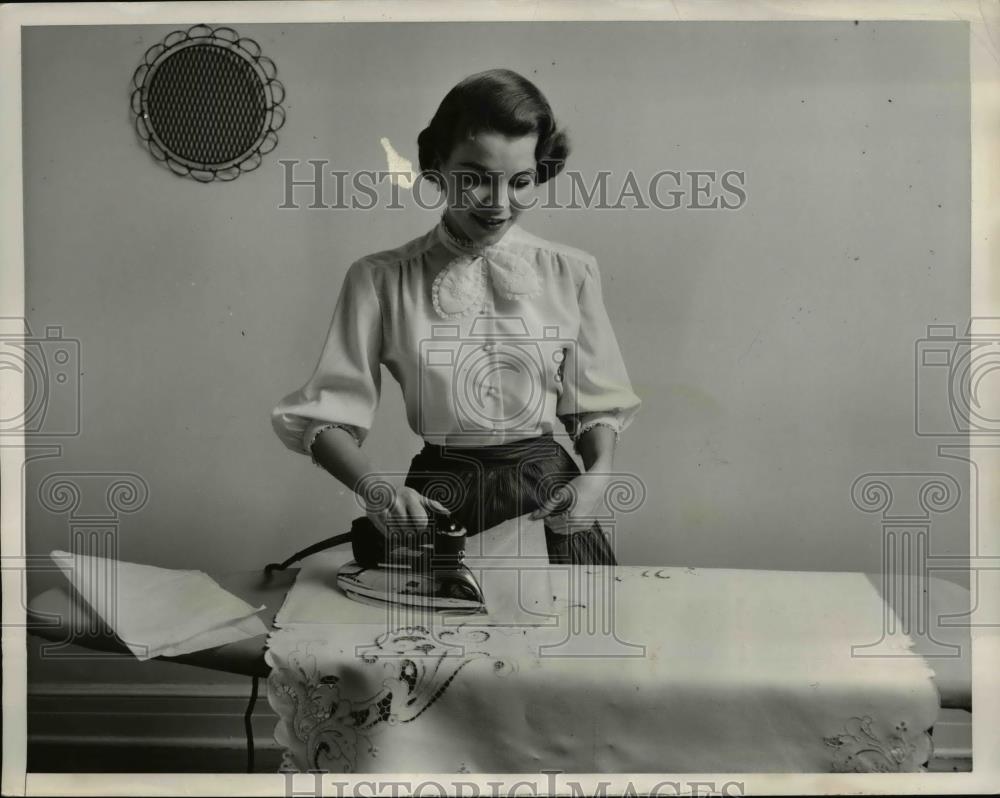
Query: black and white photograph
{"type": "Point", "coordinates": [500, 399]}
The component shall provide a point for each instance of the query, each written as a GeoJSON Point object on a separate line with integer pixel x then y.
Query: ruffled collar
{"type": "Point", "coordinates": [460, 287]}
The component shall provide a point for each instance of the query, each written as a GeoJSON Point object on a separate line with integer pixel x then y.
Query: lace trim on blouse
{"type": "Point", "coordinates": [320, 430]}
{"type": "Point", "coordinates": [585, 426]}
{"type": "Point", "coordinates": [460, 287]}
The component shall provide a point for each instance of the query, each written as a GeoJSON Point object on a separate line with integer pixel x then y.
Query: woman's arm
{"type": "Point", "coordinates": [337, 451]}
{"type": "Point", "coordinates": [595, 386]}
{"type": "Point", "coordinates": [389, 506]}
{"type": "Point", "coordinates": [597, 448]}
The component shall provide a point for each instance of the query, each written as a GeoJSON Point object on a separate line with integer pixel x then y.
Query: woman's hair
{"type": "Point", "coordinates": [498, 101]}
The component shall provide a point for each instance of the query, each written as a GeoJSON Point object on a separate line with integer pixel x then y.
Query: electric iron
{"type": "Point", "coordinates": [388, 571]}
{"type": "Point", "coordinates": [430, 575]}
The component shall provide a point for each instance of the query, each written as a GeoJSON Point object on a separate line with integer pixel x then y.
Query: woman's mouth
{"type": "Point", "coordinates": [491, 223]}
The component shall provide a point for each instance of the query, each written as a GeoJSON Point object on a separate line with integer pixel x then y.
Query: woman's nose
{"type": "Point", "coordinates": [498, 198]}
{"type": "Point", "coordinates": [493, 193]}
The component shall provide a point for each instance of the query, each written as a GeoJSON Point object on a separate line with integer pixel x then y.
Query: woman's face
{"type": "Point", "coordinates": [489, 179]}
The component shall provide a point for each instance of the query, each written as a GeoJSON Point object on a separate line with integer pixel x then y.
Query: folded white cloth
{"type": "Point", "coordinates": [157, 611]}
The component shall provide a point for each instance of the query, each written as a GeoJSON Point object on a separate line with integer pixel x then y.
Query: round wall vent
{"type": "Point", "coordinates": [207, 103]}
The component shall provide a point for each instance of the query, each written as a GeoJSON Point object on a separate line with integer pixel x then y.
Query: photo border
{"type": "Point", "coordinates": [984, 36]}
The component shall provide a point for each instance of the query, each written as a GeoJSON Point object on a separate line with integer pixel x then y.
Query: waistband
{"type": "Point", "coordinates": [509, 451]}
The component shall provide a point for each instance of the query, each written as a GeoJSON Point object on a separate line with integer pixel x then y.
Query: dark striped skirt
{"type": "Point", "coordinates": [483, 486]}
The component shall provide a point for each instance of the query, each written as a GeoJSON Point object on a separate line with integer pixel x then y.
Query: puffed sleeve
{"type": "Point", "coordinates": [596, 385]}
{"type": "Point", "coordinates": [345, 387]}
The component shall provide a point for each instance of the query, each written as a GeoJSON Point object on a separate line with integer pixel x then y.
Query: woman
{"type": "Point", "coordinates": [493, 334]}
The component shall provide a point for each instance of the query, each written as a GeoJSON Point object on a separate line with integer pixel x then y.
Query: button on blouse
{"type": "Point", "coordinates": [487, 344]}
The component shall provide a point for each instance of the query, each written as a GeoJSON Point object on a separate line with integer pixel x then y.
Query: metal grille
{"type": "Point", "coordinates": [206, 105]}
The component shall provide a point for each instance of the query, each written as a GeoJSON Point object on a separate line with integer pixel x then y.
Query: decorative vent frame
{"type": "Point", "coordinates": [207, 103]}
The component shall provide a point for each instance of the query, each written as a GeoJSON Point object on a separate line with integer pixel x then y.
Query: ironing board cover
{"type": "Point", "coordinates": [601, 669]}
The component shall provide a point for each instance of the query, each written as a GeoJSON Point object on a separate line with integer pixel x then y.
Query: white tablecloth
{"type": "Point", "coordinates": [588, 669]}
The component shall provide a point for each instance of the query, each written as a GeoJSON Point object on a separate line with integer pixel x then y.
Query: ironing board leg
{"type": "Point", "coordinates": [248, 723]}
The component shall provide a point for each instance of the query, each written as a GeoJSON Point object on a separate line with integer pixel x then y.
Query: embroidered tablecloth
{"type": "Point", "coordinates": [597, 669]}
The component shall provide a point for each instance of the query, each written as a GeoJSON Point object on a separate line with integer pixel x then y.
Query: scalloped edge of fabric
{"type": "Point", "coordinates": [320, 430]}
{"type": "Point", "coordinates": [589, 425]}
{"type": "Point", "coordinates": [475, 292]}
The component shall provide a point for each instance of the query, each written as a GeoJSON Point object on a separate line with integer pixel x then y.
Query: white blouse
{"type": "Point", "coordinates": [488, 345]}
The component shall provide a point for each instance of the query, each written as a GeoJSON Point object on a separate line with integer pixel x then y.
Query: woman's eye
{"type": "Point", "coordinates": [525, 180]}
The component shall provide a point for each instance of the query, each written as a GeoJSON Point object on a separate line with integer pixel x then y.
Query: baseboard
{"type": "Point", "coordinates": [108, 723]}
{"type": "Point", "coordinates": [46, 757]}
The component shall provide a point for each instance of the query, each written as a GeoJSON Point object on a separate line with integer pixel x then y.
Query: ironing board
{"type": "Point", "coordinates": [49, 610]}
{"type": "Point", "coordinates": [678, 670]}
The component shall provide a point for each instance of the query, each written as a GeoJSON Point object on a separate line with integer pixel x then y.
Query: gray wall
{"type": "Point", "coordinates": [773, 346]}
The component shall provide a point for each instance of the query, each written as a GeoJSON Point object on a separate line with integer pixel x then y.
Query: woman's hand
{"type": "Point", "coordinates": [406, 513]}
{"type": "Point", "coordinates": [576, 505]}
